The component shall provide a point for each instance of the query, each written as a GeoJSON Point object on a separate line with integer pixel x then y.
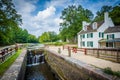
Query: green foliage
{"type": "Point", "coordinates": [115, 14]}
{"type": "Point", "coordinates": [72, 21]}
{"type": "Point", "coordinates": [58, 43]}
{"type": "Point", "coordinates": [48, 37]}
{"type": "Point", "coordinates": [109, 71]}
{"type": "Point", "coordinates": [113, 11]}
{"type": "Point", "coordinates": [9, 19]}
{"type": "Point", "coordinates": [4, 66]}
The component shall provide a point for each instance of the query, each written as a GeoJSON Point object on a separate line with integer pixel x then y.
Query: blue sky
{"type": "Point", "coordinates": [44, 15]}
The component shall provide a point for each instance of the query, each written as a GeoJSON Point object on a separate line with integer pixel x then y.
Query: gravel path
{"type": "Point", "coordinates": [100, 63]}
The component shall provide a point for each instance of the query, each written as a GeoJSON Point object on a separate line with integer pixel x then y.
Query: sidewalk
{"type": "Point", "coordinates": [100, 63]}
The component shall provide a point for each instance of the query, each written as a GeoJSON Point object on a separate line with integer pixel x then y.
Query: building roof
{"type": "Point", "coordinates": [112, 29]}
{"type": "Point", "coordinates": [90, 29]}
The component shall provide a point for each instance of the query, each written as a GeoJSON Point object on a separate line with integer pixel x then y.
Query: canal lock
{"type": "Point", "coordinates": [37, 67]}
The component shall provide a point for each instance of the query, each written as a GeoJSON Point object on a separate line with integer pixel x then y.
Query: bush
{"type": "Point", "coordinates": [108, 70]}
{"type": "Point", "coordinates": [58, 43]}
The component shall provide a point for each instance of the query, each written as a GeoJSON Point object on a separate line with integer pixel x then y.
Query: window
{"type": "Point", "coordinates": [82, 36]}
{"type": "Point", "coordinates": [110, 36]}
{"type": "Point", "coordinates": [101, 35]}
{"type": "Point", "coordinates": [90, 35]}
{"type": "Point", "coordinates": [94, 25]}
{"type": "Point", "coordinates": [83, 43]}
{"type": "Point", "coordinates": [89, 44]}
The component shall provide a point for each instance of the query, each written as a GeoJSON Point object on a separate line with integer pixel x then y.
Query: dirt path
{"type": "Point", "coordinates": [100, 63]}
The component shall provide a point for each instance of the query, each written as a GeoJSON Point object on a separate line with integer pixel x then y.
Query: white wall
{"type": "Point", "coordinates": [95, 40]}
{"type": "Point", "coordinates": [78, 40]}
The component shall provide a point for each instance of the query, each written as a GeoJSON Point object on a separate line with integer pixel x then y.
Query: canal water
{"type": "Point", "coordinates": [39, 72]}
{"type": "Point", "coordinates": [37, 68]}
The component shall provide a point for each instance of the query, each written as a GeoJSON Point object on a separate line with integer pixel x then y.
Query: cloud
{"type": "Point", "coordinates": [45, 20]}
{"type": "Point", "coordinates": [48, 19]}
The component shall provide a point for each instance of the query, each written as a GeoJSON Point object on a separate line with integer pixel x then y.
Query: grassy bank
{"type": "Point", "coordinates": [56, 43]}
{"type": "Point", "coordinates": [8, 63]}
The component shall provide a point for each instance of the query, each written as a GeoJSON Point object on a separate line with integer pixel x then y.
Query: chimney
{"type": "Point", "coordinates": [83, 25]}
{"type": "Point", "coordinates": [106, 18]}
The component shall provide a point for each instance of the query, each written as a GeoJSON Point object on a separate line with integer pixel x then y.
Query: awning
{"type": "Point", "coordinates": [103, 40]}
{"type": "Point", "coordinates": [111, 40]}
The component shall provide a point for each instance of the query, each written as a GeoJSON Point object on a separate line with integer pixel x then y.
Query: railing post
{"type": "Point", "coordinates": [69, 52]}
{"type": "Point", "coordinates": [98, 53]}
{"type": "Point", "coordinates": [59, 50]}
{"type": "Point", "coordinates": [85, 52]}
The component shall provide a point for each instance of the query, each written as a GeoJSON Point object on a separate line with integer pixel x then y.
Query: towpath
{"type": "Point", "coordinates": [100, 63]}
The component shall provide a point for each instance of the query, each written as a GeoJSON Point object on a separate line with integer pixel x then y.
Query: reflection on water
{"type": "Point", "coordinates": [39, 72]}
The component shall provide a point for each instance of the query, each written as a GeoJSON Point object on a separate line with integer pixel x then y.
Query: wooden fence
{"type": "Point", "coordinates": [6, 52]}
{"type": "Point", "coordinates": [106, 53]}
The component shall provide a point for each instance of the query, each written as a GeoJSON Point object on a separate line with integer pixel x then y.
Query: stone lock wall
{"type": "Point", "coordinates": [71, 69]}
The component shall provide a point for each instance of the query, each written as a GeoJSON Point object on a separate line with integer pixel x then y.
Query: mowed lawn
{"type": "Point", "coordinates": [4, 66]}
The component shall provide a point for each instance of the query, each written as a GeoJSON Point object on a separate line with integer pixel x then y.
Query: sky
{"type": "Point", "coordinates": [40, 16]}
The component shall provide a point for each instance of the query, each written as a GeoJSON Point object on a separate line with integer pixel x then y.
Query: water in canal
{"type": "Point", "coordinates": [37, 68]}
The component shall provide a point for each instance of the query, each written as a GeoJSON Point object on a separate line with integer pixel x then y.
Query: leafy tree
{"type": "Point", "coordinates": [32, 39]}
{"type": "Point", "coordinates": [49, 36]}
{"type": "Point", "coordinates": [9, 19]}
{"type": "Point", "coordinates": [100, 14]}
{"type": "Point", "coordinates": [114, 13]}
{"type": "Point", "coordinates": [72, 21]}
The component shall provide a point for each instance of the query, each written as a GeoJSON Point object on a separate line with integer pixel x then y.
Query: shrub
{"type": "Point", "coordinates": [108, 70]}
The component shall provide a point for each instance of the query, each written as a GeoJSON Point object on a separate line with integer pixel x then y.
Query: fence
{"type": "Point", "coordinates": [6, 52]}
{"type": "Point", "coordinates": [108, 54]}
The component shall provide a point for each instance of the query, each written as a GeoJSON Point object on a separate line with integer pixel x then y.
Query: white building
{"type": "Point", "coordinates": [99, 34]}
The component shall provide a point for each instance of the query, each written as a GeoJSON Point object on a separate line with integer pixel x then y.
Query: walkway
{"type": "Point", "coordinates": [100, 63]}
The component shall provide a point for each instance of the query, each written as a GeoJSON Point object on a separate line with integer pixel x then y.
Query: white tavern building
{"type": "Point", "coordinates": [103, 34]}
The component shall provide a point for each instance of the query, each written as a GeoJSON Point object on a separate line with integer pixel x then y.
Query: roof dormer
{"type": "Point", "coordinates": [94, 25]}
{"type": "Point", "coordinates": [84, 25]}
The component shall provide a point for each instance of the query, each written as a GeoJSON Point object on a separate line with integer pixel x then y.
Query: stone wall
{"type": "Point", "coordinates": [17, 70]}
{"type": "Point", "coordinates": [71, 69]}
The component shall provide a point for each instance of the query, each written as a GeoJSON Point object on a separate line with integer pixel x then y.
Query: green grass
{"type": "Point", "coordinates": [4, 66]}
{"type": "Point", "coordinates": [56, 43]}
{"type": "Point", "coordinates": [108, 70]}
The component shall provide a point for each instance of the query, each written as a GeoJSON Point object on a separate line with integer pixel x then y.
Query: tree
{"type": "Point", "coordinates": [9, 19]}
{"type": "Point", "coordinates": [72, 21]}
{"type": "Point", "coordinates": [114, 13]}
{"type": "Point", "coordinates": [100, 14]}
{"type": "Point", "coordinates": [32, 39]}
{"type": "Point", "coordinates": [49, 36]}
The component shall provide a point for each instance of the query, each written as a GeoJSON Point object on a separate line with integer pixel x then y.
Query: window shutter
{"type": "Point", "coordinates": [107, 36]}
{"type": "Point", "coordinates": [91, 35]}
{"type": "Point", "coordinates": [112, 36]}
{"type": "Point", "coordinates": [99, 34]}
{"type": "Point", "coordinates": [91, 44]}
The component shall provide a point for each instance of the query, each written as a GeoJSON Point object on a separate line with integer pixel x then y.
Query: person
{"type": "Point", "coordinates": [74, 50]}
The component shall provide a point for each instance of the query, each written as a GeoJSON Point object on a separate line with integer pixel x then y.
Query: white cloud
{"type": "Point", "coordinates": [50, 11]}
{"type": "Point", "coordinates": [48, 19]}
{"type": "Point", "coordinates": [45, 20]}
